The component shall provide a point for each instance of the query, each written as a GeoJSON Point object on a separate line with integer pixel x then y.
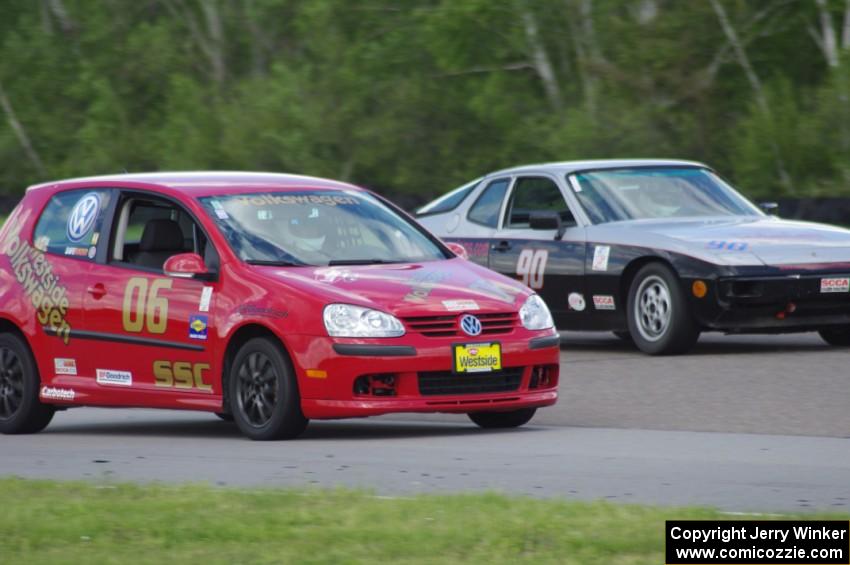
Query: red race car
{"type": "Point", "coordinates": [269, 299]}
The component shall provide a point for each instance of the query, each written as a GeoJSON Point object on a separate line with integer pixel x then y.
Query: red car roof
{"type": "Point", "coordinates": [202, 183]}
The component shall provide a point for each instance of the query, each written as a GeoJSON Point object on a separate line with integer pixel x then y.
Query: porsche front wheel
{"type": "Point", "coordinates": [660, 321]}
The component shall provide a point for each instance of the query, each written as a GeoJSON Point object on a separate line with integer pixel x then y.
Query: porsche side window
{"type": "Point", "coordinates": [448, 202]}
{"type": "Point", "coordinates": [71, 223]}
{"type": "Point", "coordinates": [535, 194]}
{"type": "Point", "coordinates": [485, 211]}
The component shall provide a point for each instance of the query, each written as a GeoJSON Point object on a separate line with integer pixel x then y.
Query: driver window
{"type": "Point", "coordinates": [535, 194]}
{"type": "Point", "coordinates": [149, 231]}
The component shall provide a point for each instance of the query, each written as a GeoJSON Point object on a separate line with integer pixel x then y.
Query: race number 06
{"type": "Point", "coordinates": [531, 266]}
{"type": "Point", "coordinates": [144, 307]}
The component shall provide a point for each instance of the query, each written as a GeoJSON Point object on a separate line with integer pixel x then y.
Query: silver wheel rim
{"type": "Point", "coordinates": [652, 308]}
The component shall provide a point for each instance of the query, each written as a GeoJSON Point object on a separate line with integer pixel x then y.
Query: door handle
{"type": "Point", "coordinates": [502, 246]}
{"type": "Point", "coordinates": [98, 291]}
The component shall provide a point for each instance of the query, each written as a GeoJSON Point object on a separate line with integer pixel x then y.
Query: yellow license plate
{"type": "Point", "coordinates": [477, 357]}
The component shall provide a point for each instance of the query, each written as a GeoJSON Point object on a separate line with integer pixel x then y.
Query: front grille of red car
{"type": "Point", "coordinates": [433, 383]}
{"type": "Point", "coordinates": [448, 326]}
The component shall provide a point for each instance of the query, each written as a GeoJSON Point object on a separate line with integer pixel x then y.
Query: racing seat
{"type": "Point", "coordinates": [161, 239]}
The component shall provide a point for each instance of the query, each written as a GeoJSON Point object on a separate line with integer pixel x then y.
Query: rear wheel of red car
{"type": "Point", "coordinates": [838, 335]}
{"type": "Point", "coordinates": [660, 321]}
{"type": "Point", "coordinates": [513, 419]}
{"type": "Point", "coordinates": [264, 396]}
{"type": "Point", "coordinates": [21, 412]}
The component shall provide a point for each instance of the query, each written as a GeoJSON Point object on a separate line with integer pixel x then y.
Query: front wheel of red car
{"type": "Point", "coordinates": [264, 396]}
{"type": "Point", "coordinates": [491, 420]}
{"type": "Point", "coordinates": [21, 412]}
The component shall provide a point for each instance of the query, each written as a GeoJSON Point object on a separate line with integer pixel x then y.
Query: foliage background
{"type": "Point", "coordinates": [413, 97]}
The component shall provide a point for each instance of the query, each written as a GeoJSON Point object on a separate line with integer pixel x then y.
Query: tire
{"type": "Point", "coordinates": [838, 336]}
{"type": "Point", "coordinates": [493, 420]}
{"type": "Point", "coordinates": [225, 416]}
{"type": "Point", "coordinates": [264, 397]}
{"type": "Point", "coordinates": [21, 412]}
{"type": "Point", "coordinates": [660, 320]}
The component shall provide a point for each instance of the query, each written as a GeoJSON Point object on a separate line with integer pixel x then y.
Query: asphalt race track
{"type": "Point", "coordinates": [746, 424]}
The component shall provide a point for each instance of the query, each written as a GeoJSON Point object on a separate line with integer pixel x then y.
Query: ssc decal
{"type": "Point", "coordinates": [198, 327]}
{"type": "Point", "coordinates": [82, 217]}
{"type": "Point", "coordinates": [531, 266]}
{"type": "Point", "coordinates": [421, 286]}
{"type": "Point", "coordinates": [109, 377]}
{"type": "Point", "coordinates": [181, 374]}
{"type": "Point", "coordinates": [726, 245]}
{"type": "Point", "coordinates": [576, 302]}
{"type": "Point", "coordinates": [603, 302]}
{"type": "Point", "coordinates": [600, 257]}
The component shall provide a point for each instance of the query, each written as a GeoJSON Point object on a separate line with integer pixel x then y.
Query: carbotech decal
{"type": "Point", "coordinates": [421, 285]}
{"type": "Point", "coordinates": [34, 272]}
{"type": "Point", "coordinates": [206, 297]}
{"type": "Point", "coordinates": [460, 305]}
{"type": "Point", "coordinates": [334, 274]}
{"type": "Point", "coordinates": [53, 393]}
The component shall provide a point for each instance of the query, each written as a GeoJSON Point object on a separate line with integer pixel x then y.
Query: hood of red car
{"type": "Point", "coordinates": [405, 289]}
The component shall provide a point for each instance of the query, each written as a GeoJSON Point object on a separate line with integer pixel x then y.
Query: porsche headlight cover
{"type": "Point", "coordinates": [535, 314]}
{"type": "Point", "coordinates": [346, 320]}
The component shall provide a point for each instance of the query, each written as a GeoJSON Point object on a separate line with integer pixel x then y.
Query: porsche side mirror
{"type": "Point", "coordinates": [771, 208]}
{"type": "Point", "coordinates": [546, 220]}
{"type": "Point", "coordinates": [186, 266]}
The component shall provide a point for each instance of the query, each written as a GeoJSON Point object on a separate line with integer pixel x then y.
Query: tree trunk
{"type": "Point", "coordinates": [21, 133]}
{"type": "Point", "coordinates": [828, 41]}
{"type": "Point", "coordinates": [755, 84]}
{"type": "Point", "coordinates": [540, 60]}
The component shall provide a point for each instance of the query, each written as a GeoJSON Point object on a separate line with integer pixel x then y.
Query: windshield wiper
{"type": "Point", "coordinates": [265, 263]}
{"type": "Point", "coordinates": [337, 262]}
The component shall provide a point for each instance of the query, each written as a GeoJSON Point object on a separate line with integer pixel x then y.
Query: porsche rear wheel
{"type": "Point", "coordinates": [660, 321]}
{"type": "Point", "coordinates": [264, 397]}
{"type": "Point", "coordinates": [492, 420]}
{"type": "Point", "coordinates": [21, 412]}
{"type": "Point", "coordinates": [838, 336]}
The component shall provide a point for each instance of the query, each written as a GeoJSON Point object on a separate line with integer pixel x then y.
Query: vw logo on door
{"type": "Point", "coordinates": [470, 325]}
{"type": "Point", "coordinates": [83, 216]}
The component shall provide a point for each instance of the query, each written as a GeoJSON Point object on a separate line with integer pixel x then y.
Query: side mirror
{"type": "Point", "coordinates": [185, 266]}
{"type": "Point", "coordinates": [457, 249]}
{"type": "Point", "coordinates": [546, 220]}
{"type": "Point", "coordinates": [771, 208]}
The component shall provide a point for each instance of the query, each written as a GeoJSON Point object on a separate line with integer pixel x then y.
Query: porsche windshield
{"type": "Point", "coordinates": [661, 192]}
{"type": "Point", "coordinates": [318, 228]}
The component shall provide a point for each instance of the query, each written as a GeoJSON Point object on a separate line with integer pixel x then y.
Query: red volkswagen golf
{"type": "Point", "coordinates": [269, 299]}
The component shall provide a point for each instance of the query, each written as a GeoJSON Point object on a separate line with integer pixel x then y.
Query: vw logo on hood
{"type": "Point", "coordinates": [470, 325]}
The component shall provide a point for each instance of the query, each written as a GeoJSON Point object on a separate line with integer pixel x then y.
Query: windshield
{"type": "Point", "coordinates": [662, 192]}
{"type": "Point", "coordinates": [318, 228]}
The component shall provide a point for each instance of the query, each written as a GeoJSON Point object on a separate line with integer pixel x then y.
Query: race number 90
{"type": "Point", "coordinates": [531, 266]}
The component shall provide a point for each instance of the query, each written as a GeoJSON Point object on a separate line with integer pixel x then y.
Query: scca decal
{"type": "Point", "coordinates": [35, 274]}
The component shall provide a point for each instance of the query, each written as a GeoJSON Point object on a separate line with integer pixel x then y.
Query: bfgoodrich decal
{"type": "Point", "coordinates": [110, 377]}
